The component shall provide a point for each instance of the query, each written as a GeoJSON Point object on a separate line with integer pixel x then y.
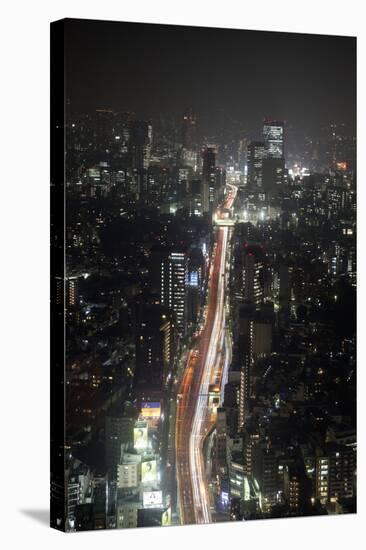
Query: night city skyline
{"type": "Point", "coordinates": [239, 75]}
{"type": "Point", "coordinates": [204, 275]}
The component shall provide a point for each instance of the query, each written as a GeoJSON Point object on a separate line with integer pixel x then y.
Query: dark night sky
{"type": "Point", "coordinates": [307, 80]}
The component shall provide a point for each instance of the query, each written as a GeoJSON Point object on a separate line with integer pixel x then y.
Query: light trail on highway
{"type": "Point", "coordinates": [207, 364]}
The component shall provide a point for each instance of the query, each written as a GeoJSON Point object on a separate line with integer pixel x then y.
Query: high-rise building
{"type": "Point", "coordinates": [243, 154]}
{"type": "Point", "coordinates": [140, 144]}
{"type": "Point", "coordinates": [335, 471]}
{"type": "Point", "coordinates": [72, 291]}
{"type": "Point", "coordinates": [250, 440]}
{"type": "Point", "coordinates": [182, 182]}
{"type": "Point", "coordinates": [255, 156]}
{"type": "Point", "coordinates": [274, 157]}
{"type": "Point", "coordinates": [285, 277]}
{"type": "Point", "coordinates": [297, 488]}
{"type": "Point", "coordinates": [154, 350]}
{"type": "Point", "coordinates": [119, 423]}
{"type": "Point", "coordinates": [338, 146]}
{"type": "Point", "coordinates": [265, 470]}
{"type": "Point", "coordinates": [262, 338]}
{"type": "Point", "coordinates": [252, 275]}
{"type": "Point", "coordinates": [100, 506]}
{"type": "Point", "coordinates": [103, 124]}
{"type": "Point", "coordinates": [221, 442]}
{"type": "Point", "coordinates": [273, 135]}
{"type": "Point", "coordinates": [243, 488]}
{"type": "Point", "coordinates": [195, 198]}
{"type": "Point", "coordinates": [220, 181]}
{"type": "Point", "coordinates": [173, 286]}
{"type": "Point", "coordinates": [336, 200]}
{"type": "Point", "coordinates": [244, 357]}
{"type": "Point", "coordinates": [195, 278]}
{"type": "Point", "coordinates": [67, 292]}
{"type": "Point", "coordinates": [209, 179]}
{"type": "Point", "coordinates": [189, 128]}
{"type": "Point", "coordinates": [273, 175]}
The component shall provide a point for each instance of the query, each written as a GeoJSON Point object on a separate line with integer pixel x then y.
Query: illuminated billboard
{"type": "Point", "coordinates": [140, 439]}
{"type": "Point", "coordinates": [193, 278]}
{"type": "Point", "coordinates": [152, 499]}
{"type": "Point", "coordinates": [166, 517]}
{"type": "Point", "coordinates": [148, 471]}
{"type": "Point", "coordinates": [213, 396]}
{"type": "Point", "coordinates": [150, 410]}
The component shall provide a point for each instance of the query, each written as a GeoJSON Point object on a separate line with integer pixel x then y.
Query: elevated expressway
{"type": "Point", "coordinates": [206, 365]}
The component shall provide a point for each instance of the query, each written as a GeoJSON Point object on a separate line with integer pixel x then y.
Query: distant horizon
{"type": "Point", "coordinates": [229, 74]}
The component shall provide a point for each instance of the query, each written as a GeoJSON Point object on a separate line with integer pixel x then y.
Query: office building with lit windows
{"type": "Point", "coordinates": [274, 156]}
{"type": "Point", "coordinates": [173, 287]}
{"type": "Point", "coordinates": [155, 337]}
{"type": "Point", "coordinates": [252, 275]}
{"type": "Point", "coordinates": [255, 157]}
{"type": "Point", "coordinates": [273, 136]}
{"type": "Point", "coordinates": [210, 192]}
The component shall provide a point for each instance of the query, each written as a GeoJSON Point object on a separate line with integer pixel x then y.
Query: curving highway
{"type": "Point", "coordinates": [207, 364]}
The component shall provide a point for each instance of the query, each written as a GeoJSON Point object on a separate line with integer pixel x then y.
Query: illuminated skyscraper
{"type": "Point", "coordinates": [173, 286]}
{"type": "Point", "coordinates": [209, 179]}
{"type": "Point", "coordinates": [273, 135]}
{"type": "Point", "coordinates": [243, 153]}
{"type": "Point", "coordinates": [72, 291]}
{"type": "Point", "coordinates": [252, 275]}
{"type": "Point", "coordinates": [245, 358]}
{"type": "Point", "coordinates": [274, 161]}
{"type": "Point", "coordinates": [255, 156]}
{"type": "Point", "coordinates": [140, 144]}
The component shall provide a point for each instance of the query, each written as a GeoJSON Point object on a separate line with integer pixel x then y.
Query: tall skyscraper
{"type": "Point", "coordinates": [189, 128]}
{"type": "Point", "coordinates": [243, 153]}
{"type": "Point", "coordinates": [273, 135]}
{"type": "Point", "coordinates": [274, 161]}
{"type": "Point", "coordinates": [140, 144]}
{"type": "Point", "coordinates": [220, 181]}
{"type": "Point", "coordinates": [209, 179]}
{"type": "Point", "coordinates": [285, 277]}
{"type": "Point", "coordinates": [169, 280]}
{"type": "Point", "coordinates": [195, 284]}
{"type": "Point", "coordinates": [255, 156]}
{"type": "Point", "coordinates": [69, 287]}
{"type": "Point", "coordinates": [103, 127]}
{"type": "Point", "coordinates": [140, 135]}
{"type": "Point", "coordinates": [273, 175]}
{"type": "Point", "coordinates": [265, 470]}
{"type": "Point", "coordinates": [221, 442]}
{"type": "Point", "coordinates": [244, 353]}
{"type": "Point", "coordinates": [195, 197]}
{"type": "Point", "coordinates": [252, 275]}
{"type": "Point", "coordinates": [154, 350]}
